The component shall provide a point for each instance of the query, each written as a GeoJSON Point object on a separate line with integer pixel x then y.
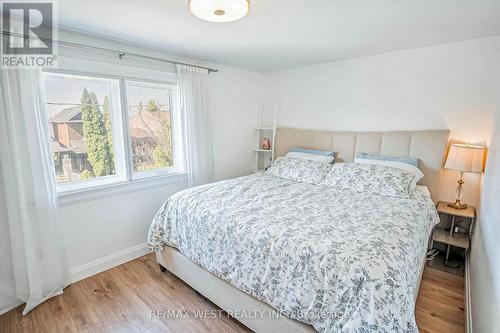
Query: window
{"type": "Point", "coordinates": [91, 144]}
{"type": "Point", "coordinates": [150, 126]}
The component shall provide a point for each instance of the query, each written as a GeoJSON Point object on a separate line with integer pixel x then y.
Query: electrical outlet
{"type": "Point", "coordinates": [457, 229]}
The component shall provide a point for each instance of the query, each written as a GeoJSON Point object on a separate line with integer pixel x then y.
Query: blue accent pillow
{"type": "Point", "coordinates": [311, 151]}
{"type": "Point", "coordinates": [408, 160]}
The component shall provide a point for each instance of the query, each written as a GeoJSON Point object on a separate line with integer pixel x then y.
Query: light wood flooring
{"type": "Point", "coordinates": [121, 300]}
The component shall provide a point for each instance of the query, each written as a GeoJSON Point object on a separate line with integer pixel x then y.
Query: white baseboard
{"type": "Point", "coordinates": [468, 309]}
{"type": "Point", "coordinates": [101, 264]}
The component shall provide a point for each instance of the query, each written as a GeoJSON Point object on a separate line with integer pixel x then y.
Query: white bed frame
{"type": "Point", "coordinates": [428, 146]}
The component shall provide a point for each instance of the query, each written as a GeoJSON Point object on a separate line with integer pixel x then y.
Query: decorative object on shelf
{"type": "Point", "coordinates": [266, 144]}
{"type": "Point", "coordinates": [219, 11]}
{"type": "Point", "coordinates": [266, 132]}
{"type": "Point", "coordinates": [464, 158]}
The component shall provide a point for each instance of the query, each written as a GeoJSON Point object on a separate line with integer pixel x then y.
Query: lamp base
{"type": "Point", "coordinates": [458, 205]}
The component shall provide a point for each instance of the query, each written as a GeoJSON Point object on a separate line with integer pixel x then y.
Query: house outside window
{"type": "Point", "coordinates": [67, 144]}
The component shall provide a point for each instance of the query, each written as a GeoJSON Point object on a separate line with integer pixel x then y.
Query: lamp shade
{"type": "Point", "coordinates": [465, 158]}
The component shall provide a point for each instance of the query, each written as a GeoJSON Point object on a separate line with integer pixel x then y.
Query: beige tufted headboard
{"type": "Point", "coordinates": [428, 146]}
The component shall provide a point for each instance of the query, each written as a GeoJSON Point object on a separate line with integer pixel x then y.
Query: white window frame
{"type": "Point", "coordinates": [135, 175]}
{"type": "Point", "coordinates": [125, 174]}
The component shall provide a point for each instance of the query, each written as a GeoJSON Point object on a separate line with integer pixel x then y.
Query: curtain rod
{"type": "Point", "coordinates": [120, 54]}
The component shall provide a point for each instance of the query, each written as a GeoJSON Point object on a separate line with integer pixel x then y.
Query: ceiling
{"type": "Point", "coordinates": [279, 34]}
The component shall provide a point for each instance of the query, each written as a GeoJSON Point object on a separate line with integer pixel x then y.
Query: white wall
{"type": "Point", "coordinates": [234, 97]}
{"type": "Point", "coordinates": [485, 307]}
{"type": "Point", "coordinates": [107, 226]}
{"type": "Point", "coordinates": [455, 86]}
{"type": "Point", "coordinates": [446, 86]}
{"type": "Point", "coordinates": [485, 254]}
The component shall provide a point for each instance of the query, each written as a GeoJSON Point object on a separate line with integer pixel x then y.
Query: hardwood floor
{"type": "Point", "coordinates": [122, 298]}
{"type": "Point", "coordinates": [440, 303]}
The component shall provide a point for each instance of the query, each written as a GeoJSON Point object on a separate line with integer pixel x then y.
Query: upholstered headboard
{"type": "Point", "coordinates": [428, 146]}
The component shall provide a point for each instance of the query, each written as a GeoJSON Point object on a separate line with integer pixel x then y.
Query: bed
{"type": "Point", "coordinates": [287, 256]}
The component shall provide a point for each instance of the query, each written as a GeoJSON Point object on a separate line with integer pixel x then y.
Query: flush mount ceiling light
{"type": "Point", "coordinates": [219, 10]}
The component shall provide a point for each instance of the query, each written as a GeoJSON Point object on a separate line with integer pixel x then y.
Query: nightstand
{"type": "Point", "coordinates": [450, 236]}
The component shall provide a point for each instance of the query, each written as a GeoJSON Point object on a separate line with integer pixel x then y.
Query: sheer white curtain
{"type": "Point", "coordinates": [39, 262]}
{"type": "Point", "coordinates": [196, 133]}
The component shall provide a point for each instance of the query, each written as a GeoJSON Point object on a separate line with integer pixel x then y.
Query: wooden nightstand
{"type": "Point", "coordinates": [449, 236]}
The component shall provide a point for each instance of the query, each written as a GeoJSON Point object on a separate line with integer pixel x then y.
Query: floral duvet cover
{"type": "Point", "coordinates": [340, 261]}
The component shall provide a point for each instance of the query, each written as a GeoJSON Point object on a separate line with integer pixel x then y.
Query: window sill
{"type": "Point", "coordinates": [67, 198]}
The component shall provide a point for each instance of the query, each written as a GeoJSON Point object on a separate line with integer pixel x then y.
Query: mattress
{"type": "Point", "coordinates": [339, 261]}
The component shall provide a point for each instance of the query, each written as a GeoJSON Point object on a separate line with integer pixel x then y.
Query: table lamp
{"type": "Point", "coordinates": [464, 158]}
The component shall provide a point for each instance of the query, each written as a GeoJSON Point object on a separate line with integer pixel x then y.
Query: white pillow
{"type": "Point", "coordinates": [310, 157]}
{"type": "Point", "coordinates": [399, 165]}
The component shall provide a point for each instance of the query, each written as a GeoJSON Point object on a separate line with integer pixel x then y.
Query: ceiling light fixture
{"type": "Point", "coordinates": [219, 10]}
